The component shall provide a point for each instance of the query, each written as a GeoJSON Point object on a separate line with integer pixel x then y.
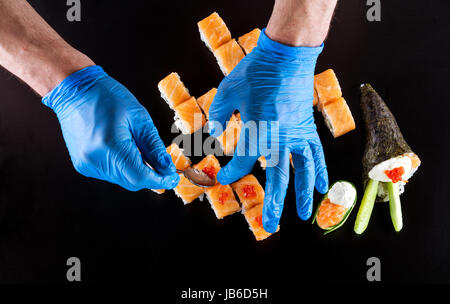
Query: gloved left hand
{"type": "Point", "coordinates": [109, 134]}
{"type": "Point", "coordinates": [274, 84]}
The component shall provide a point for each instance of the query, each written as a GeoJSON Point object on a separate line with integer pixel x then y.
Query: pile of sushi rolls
{"type": "Point", "coordinates": [336, 206]}
{"type": "Point", "coordinates": [388, 161]}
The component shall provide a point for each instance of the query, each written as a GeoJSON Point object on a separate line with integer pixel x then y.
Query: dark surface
{"type": "Point", "coordinates": [48, 212]}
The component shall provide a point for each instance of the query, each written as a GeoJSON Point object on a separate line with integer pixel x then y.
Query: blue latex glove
{"type": "Point", "coordinates": [274, 83]}
{"type": "Point", "coordinates": [106, 129]}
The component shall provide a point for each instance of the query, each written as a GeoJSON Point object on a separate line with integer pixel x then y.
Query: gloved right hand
{"type": "Point", "coordinates": [109, 134]}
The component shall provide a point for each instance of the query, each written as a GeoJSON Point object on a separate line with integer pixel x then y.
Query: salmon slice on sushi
{"type": "Point", "coordinates": [338, 117]}
{"type": "Point", "coordinates": [327, 87]}
{"type": "Point", "coordinates": [249, 191]}
{"type": "Point", "coordinates": [189, 117]}
{"type": "Point", "coordinates": [253, 217]}
{"type": "Point", "coordinates": [213, 31]}
{"type": "Point", "coordinates": [249, 41]}
{"type": "Point", "coordinates": [336, 206]}
{"type": "Point", "coordinates": [187, 191]}
{"type": "Point", "coordinates": [230, 137]}
{"type": "Point", "coordinates": [228, 56]}
{"type": "Point", "coordinates": [388, 161]}
{"type": "Point", "coordinates": [180, 161]}
{"type": "Point", "coordinates": [222, 200]}
{"type": "Point", "coordinates": [173, 90]}
{"type": "Point", "coordinates": [206, 100]}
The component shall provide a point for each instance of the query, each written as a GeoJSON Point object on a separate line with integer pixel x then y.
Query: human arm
{"type": "Point", "coordinates": [274, 84]}
{"type": "Point", "coordinates": [109, 134]}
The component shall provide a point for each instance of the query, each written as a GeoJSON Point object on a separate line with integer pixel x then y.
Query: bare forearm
{"type": "Point", "coordinates": [32, 50]}
{"type": "Point", "coordinates": [300, 22]}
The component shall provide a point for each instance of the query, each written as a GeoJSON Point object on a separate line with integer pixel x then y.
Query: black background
{"type": "Point", "coordinates": [48, 212]}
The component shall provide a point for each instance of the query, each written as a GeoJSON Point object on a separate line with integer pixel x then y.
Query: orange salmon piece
{"type": "Point", "coordinates": [228, 56]}
{"type": "Point", "coordinates": [330, 214]}
{"type": "Point", "coordinates": [222, 200]}
{"type": "Point", "coordinates": [315, 98]}
{"type": "Point", "coordinates": [327, 87]}
{"type": "Point", "coordinates": [206, 100]}
{"type": "Point", "coordinates": [338, 117]}
{"type": "Point", "coordinates": [188, 116]}
{"type": "Point", "coordinates": [249, 41]}
{"type": "Point", "coordinates": [180, 161]}
{"type": "Point", "coordinates": [173, 90]}
{"type": "Point", "coordinates": [214, 31]}
{"type": "Point", "coordinates": [187, 191]}
{"type": "Point", "coordinates": [254, 220]}
{"type": "Point", "coordinates": [230, 137]}
{"type": "Point", "coordinates": [249, 191]}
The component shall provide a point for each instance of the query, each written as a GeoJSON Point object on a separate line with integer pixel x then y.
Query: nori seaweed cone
{"type": "Point", "coordinates": [384, 140]}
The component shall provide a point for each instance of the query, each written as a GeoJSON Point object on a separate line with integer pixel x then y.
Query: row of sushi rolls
{"type": "Point", "coordinates": [388, 161]}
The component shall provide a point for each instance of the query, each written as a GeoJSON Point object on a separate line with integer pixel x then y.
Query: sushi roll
{"type": "Point", "coordinates": [249, 41]}
{"type": "Point", "coordinates": [173, 90]}
{"type": "Point", "coordinates": [327, 87]}
{"type": "Point", "coordinates": [187, 191]}
{"type": "Point", "coordinates": [338, 117]}
{"type": "Point", "coordinates": [230, 137]}
{"type": "Point", "coordinates": [188, 116]}
{"type": "Point", "coordinates": [253, 217]}
{"type": "Point", "coordinates": [336, 206]}
{"type": "Point", "coordinates": [180, 161]}
{"type": "Point", "coordinates": [228, 56]}
{"type": "Point", "coordinates": [222, 200]}
{"type": "Point", "coordinates": [206, 100]}
{"type": "Point", "coordinates": [214, 31]}
{"type": "Point", "coordinates": [388, 161]}
{"type": "Point", "coordinates": [387, 156]}
{"type": "Point", "coordinates": [249, 191]}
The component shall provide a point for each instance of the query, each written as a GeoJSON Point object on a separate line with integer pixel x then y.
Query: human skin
{"type": "Point", "coordinates": [300, 22]}
{"type": "Point", "coordinates": [32, 50]}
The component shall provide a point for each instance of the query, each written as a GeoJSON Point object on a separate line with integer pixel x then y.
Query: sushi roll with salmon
{"type": "Point", "coordinates": [228, 56]}
{"type": "Point", "coordinates": [388, 161]}
{"type": "Point", "coordinates": [336, 206]}
{"type": "Point", "coordinates": [173, 91]}
{"type": "Point", "coordinates": [338, 117]}
{"type": "Point", "coordinates": [221, 197]}
{"type": "Point", "coordinates": [189, 117]}
{"type": "Point", "coordinates": [249, 41]}
{"type": "Point", "coordinates": [230, 137]}
{"type": "Point", "coordinates": [249, 191]}
{"type": "Point", "coordinates": [206, 100]}
{"type": "Point", "coordinates": [326, 85]}
{"type": "Point", "coordinates": [253, 216]}
{"type": "Point", "coordinates": [213, 31]}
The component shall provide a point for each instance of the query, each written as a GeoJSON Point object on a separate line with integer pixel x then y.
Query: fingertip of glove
{"type": "Point", "coordinates": [304, 207]}
{"type": "Point", "coordinates": [223, 178]}
{"type": "Point", "coordinates": [170, 181]}
{"type": "Point", "coordinates": [270, 226]}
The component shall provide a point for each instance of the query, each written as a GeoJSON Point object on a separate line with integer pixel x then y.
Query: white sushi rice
{"type": "Point", "coordinates": [378, 172]}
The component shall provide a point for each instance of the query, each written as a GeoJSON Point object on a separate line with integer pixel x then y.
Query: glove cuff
{"type": "Point", "coordinates": [286, 52]}
{"type": "Point", "coordinates": [74, 84]}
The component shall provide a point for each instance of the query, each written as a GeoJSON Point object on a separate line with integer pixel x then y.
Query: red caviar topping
{"type": "Point", "coordinates": [210, 171]}
{"type": "Point", "coordinates": [258, 220]}
{"type": "Point", "coordinates": [222, 197]}
{"type": "Point", "coordinates": [395, 175]}
{"type": "Point", "coordinates": [249, 191]}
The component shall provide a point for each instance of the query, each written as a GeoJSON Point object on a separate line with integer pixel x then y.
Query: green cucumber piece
{"type": "Point", "coordinates": [395, 206]}
{"type": "Point", "coordinates": [366, 207]}
{"type": "Point", "coordinates": [347, 214]}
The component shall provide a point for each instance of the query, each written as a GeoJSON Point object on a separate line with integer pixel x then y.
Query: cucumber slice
{"type": "Point", "coordinates": [395, 206]}
{"type": "Point", "coordinates": [366, 207]}
{"type": "Point", "coordinates": [344, 218]}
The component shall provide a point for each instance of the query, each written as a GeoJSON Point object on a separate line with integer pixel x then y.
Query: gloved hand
{"type": "Point", "coordinates": [109, 134]}
{"type": "Point", "coordinates": [274, 83]}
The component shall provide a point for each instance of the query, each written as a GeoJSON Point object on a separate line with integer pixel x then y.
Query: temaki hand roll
{"type": "Point", "coordinates": [388, 161]}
